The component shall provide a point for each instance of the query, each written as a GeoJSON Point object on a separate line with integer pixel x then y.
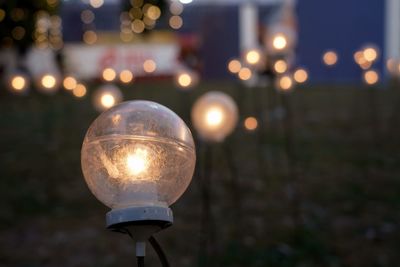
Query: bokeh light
{"type": "Point", "coordinates": [284, 83]}
{"type": "Point", "coordinates": [18, 83]}
{"type": "Point", "coordinates": [245, 74]}
{"type": "Point", "coordinates": [371, 77]}
{"type": "Point", "coordinates": [280, 66]}
{"type": "Point", "coordinates": [69, 83]}
{"type": "Point", "coordinates": [149, 66]}
{"type": "Point", "coordinates": [79, 91]}
{"type": "Point", "coordinates": [251, 123]}
{"type": "Point", "coordinates": [234, 66]}
{"type": "Point", "coordinates": [175, 22]}
{"type": "Point", "coordinates": [126, 76]}
{"type": "Point", "coordinates": [109, 74]}
{"type": "Point", "coordinates": [330, 58]}
{"type": "Point", "coordinates": [279, 41]}
{"type": "Point", "coordinates": [300, 75]}
{"type": "Point", "coordinates": [48, 81]}
{"type": "Point", "coordinates": [253, 57]}
{"type": "Point", "coordinates": [106, 97]}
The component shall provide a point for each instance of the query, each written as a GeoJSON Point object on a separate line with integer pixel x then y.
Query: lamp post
{"type": "Point", "coordinates": [138, 158]}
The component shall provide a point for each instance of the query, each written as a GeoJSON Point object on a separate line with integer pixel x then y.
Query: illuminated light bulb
{"type": "Point", "coordinates": [234, 66]}
{"type": "Point", "coordinates": [96, 3]}
{"type": "Point", "coordinates": [370, 53]}
{"type": "Point", "coordinates": [106, 97]}
{"type": "Point", "coordinates": [371, 77]}
{"type": "Point", "coordinates": [149, 66]}
{"type": "Point", "coordinates": [69, 83]}
{"type": "Point", "coordinates": [245, 74]}
{"type": "Point", "coordinates": [47, 83]}
{"type": "Point", "coordinates": [79, 91]}
{"type": "Point", "coordinates": [176, 22]}
{"type": "Point", "coordinates": [251, 123]}
{"type": "Point", "coordinates": [186, 79]}
{"type": "Point", "coordinates": [330, 58]}
{"type": "Point", "coordinates": [138, 158]}
{"type": "Point", "coordinates": [280, 66]}
{"type": "Point", "coordinates": [279, 42]}
{"type": "Point", "coordinates": [300, 75]}
{"type": "Point", "coordinates": [281, 39]}
{"type": "Point", "coordinates": [18, 83]}
{"type": "Point", "coordinates": [284, 83]}
{"type": "Point", "coordinates": [109, 74]}
{"type": "Point", "coordinates": [253, 57]}
{"type": "Point", "coordinates": [214, 116]}
{"type": "Point", "coordinates": [126, 76]}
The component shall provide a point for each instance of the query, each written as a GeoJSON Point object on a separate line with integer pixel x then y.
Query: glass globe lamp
{"type": "Point", "coordinates": [138, 158]}
{"type": "Point", "coordinates": [214, 116]}
{"type": "Point", "coordinates": [106, 97]}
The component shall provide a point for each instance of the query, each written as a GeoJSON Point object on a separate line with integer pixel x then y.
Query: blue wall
{"type": "Point", "coordinates": [341, 25]}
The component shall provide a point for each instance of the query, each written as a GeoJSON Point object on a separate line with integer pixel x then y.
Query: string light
{"type": "Point", "coordinates": [176, 22]}
{"type": "Point", "coordinates": [126, 76]}
{"type": "Point", "coordinates": [109, 74]}
{"type": "Point", "coordinates": [300, 76]}
{"type": "Point", "coordinates": [250, 123]}
{"type": "Point", "coordinates": [79, 91]}
{"type": "Point", "coordinates": [234, 66]}
{"type": "Point", "coordinates": [371, 77]}
{"type": "Point", "coordinates": [149, 66]}
{"type": "Point", "coordinates": [245, 74]}
{"type": "Point", "coordinates": [106, 97]}
{"type": "Point", "coordinates": [69, 83]}
{"type": "Point", "coordinates": [284, 83]}
{"type": "Point", "coordinates": [330, 58]}
{"type": "Point", "coordinates": [280, 66]}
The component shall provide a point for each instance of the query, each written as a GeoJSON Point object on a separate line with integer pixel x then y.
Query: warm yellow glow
{"type": "Point", "coordinates": [109, 74]}
{"type": "Point", "coordinates": [69, 83]}
{"type": "Point", "coordinates": [96, 3]}
{"type": "Point", "coordinates": [176, 22]}
{"type": "Point", "coordinates": [280, 66]}
{"type": "Point", "coordinates": [390, 65]}
{"type": "Point", "coordinates": [89, 37]}
{"type": "Point", "coordinates": [138, 26]}
{"type": "Point", "coordinates": [366, 65]}
{"type": "Point", "coordinates": [138, 161]}
{"type": "Point", "coordinates": [18, 83]}
{"type": "Point", "coordinates": [250, 123]}
{"type": "Point", "coordinates": [279, 42]}
{"type": "Point", "coordinates": [80, 90]}
{"type": "Point", "coordinates": [149, 66]}
{"type": "Point", "coordinates": [126, 76]}
{"type": "Point", "coordinates": [359, 57]}
{"type": "Point", "coordinates": [48, 81]}
{"type": "Point", "coordinates": [107, 100]}
{"type": "Point", "coordinates": [234, 66]}
{"type": "Point", "coordinates": [214, 116]}
{"type": "Point", "coordinates": [370, 54]}
{"type": "Point", "coordinates": [184, 80]}
{"type": "Point", "coordinates": [253, 57]}
{"type": "Point", "coordinates": [300, 75]}
{"type": "Point", "coordinates": [330, 58]}
{"type": "Point", "coordinates": [153, 12]}
{"type": "Point", "coordinates": [371, 77]}
{"type": "Point", "coordinates": [245, 74]}
{"type": "Point", "coordinates": [285, 82]}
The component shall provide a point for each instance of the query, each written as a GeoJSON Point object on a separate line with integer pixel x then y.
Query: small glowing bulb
{"type": "Point", "coordinates": [138, 161]}
{"type": "Point", "coordinates": [234, 66]}
{"type": "Point", "coordinates": [184, 80]}
{"type": "Point", "coordinates": [251, 123]}
{"type": "Point", "coordinates": [280, 66]}
{"type": "Point", "coordinates": [69, 83]}
{"type": "Point", "coordinates": [18, 83]}
{"type": "Point", "coordinates": [370, 54]}
{"type": "Point", "coordinates": [109, 74]}
{"type": "Point", "coordinates": [300, 75]}
{"type": "Point", "coordinates": [107, 100]}
{"type": "Point", "coordinates": [285, 83]}
{"type": "Point", "coordinates": [126, 76]}
{"type": "Point", "coordinates": [214, 116]}
{"type": "Point", "coordinates": [245, 74]}
{"type": "Point", "coordinates": [80, 90]}
{"type": "Point", "coordinates": [253, 57]}
{"type": "Point", "coordinates": [279, 42]}
{"type": "Point", "coordinates": [330, 58]}
{"type": "Point", "coordinates": [48, 81]}
{"type": "Point", "coordinates": [371, 77]}
{"type": "Point", "coordinates": [149, 66]}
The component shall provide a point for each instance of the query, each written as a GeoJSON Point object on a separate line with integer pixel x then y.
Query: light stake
{"type": "Point", "coordinates": [138, 158]}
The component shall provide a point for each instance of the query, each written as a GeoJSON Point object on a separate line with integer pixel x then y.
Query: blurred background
{"type": "Point", "coordinates": [307, 175]}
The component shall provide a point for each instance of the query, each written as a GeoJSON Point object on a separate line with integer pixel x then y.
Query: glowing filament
{"type": "Point", "coordinates": [138, 161]}
{"type": "Point", "coordinates": [214, 117]}
{"type": "Point", "coordinates": [107, 100]}
{"type": "Point", "coordinates": [279, 42]}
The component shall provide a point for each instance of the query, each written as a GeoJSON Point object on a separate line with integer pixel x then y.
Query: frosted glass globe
{"type": "Point", "coordinates": [136, 154]}
{"type": "Point", "coordinates": [214, 116]}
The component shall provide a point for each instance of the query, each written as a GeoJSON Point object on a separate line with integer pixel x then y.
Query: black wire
{"type": "Point", "coordinates": [140, 261]}
{"type": "Point", "coordinates": [157, 248]}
